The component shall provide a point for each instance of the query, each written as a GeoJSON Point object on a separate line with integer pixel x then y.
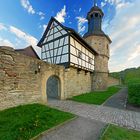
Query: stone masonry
{"type": "Point", "coordinates": [77, 82]}
{"type": "Point", "coordinates": [113, 81]}
{"type": "Point", "coordinates": [101, 45]}
{"type": "Point", "coordinates": [21, 81]}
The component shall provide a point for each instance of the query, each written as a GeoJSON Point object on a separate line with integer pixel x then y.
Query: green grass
{"type": "Point", "coordinates": [131, 78]}
{"type": "Point", "coordinates": [119, 133]}
{"type": "Point", "coordinates": [96, 97]}
{"type": "Point", "coordinates": [27, 121]}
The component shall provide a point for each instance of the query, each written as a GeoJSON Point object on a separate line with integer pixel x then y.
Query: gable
{"type": "Point", "coordinates": [54, 30]}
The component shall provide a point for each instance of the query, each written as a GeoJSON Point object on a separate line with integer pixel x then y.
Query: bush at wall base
{"type": "Point", "coordinates": [134, 94]}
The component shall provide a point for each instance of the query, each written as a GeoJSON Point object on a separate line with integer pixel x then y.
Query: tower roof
{"type": "Point", "coordinates": [95, 16]}
{"type": "Point", "coordinates": [96, 9]}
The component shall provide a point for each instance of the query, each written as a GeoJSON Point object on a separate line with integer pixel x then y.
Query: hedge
{"type": "Point", "coordinates": [134, 94]}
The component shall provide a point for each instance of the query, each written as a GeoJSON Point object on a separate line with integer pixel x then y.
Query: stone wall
{"type": "Point", "coordinates": [100, 81]}
{"type": "Point", "coordinates": [21, 82]}
{"type": "Point", "coordinates": [113, 81]}
{"type": "Point", "coordinates": [76, 82]}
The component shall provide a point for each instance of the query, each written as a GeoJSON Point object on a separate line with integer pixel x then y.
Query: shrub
{"type": "Point", "coordinates": [134, 94]}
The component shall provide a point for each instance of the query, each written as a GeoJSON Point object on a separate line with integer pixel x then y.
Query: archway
{"type": "Point", "coordinates": [53, 87]}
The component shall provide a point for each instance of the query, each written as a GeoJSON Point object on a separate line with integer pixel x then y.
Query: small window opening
{"type": "Point", "coordinates": [96, 15]}
{"type": "Point", "coordinates": [91, 16]}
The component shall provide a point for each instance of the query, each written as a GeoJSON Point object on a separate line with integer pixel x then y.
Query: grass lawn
{"type": "Point", "coordinates": [25, 122]}
{"type": "Point", "coordinates": [97, 97]}
{"type": "Point", "coordinates": [119, 133]}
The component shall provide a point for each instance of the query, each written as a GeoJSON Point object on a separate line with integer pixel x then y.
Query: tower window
{"type": "Point", "coordinates": [91, 16]}
{"type": "Point", "coordinates": [96, 15]}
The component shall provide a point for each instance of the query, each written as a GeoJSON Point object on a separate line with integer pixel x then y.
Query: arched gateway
{"type": "Point", "coordinates": [53, 87]}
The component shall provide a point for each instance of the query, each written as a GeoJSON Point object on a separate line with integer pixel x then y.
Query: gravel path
{"type": "Point", "coordinates": [129, 119]}
{"type": "Point", "coordinates": [118, 100]}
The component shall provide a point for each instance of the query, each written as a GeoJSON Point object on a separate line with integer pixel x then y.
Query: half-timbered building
{"type": "Point", "coordinates": [64, 46]}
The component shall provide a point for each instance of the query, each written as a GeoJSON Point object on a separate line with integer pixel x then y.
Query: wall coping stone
{"type": "Point", "coordinates": [7, 48]}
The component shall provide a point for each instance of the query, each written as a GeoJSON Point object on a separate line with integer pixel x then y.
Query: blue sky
{"type": "Point", "coordinates": [22, 23]}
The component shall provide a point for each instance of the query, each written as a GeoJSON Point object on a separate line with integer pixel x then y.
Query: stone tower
{"type": "Point", "coordinates": [97, 39]}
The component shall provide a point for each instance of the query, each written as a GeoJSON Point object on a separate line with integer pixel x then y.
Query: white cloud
{"type": "Point", "coordinates": [26, 5]}
{"type": "Point", "coordinates": [80, 9]}
{"type": "Point", "coordinates": [42, 15]}
{"type": "Point", "coordinates": [44, 27]}
{"type": "Point", "coordinates": [103, 4]}
{"type": "Point", "coordinates": [117, 3]}
{"type": "Point", "coordinates": [30, 40]}
{"type": "Point", "coordinates": [134, 53]}
{"type": "Point", "coordinates": [26, 38]}
{"type": "Point", "coordinates": [81, 22]}
{"type": "Point", "coordinates": [124, 30]}
{"type": "Point", "coordinates": [18, 39]}
{"type": "Point", "coordinates": [2, 26]}
{"type": "Point", "coordinates": [60, 16]}
{"type": "Point", "coordinates": [5, 42]}
{"type": "Point", "coordinates": [114, 2]}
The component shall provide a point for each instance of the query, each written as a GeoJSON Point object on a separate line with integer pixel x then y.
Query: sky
{"type": "Point", "coordinates": [23, 22]}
